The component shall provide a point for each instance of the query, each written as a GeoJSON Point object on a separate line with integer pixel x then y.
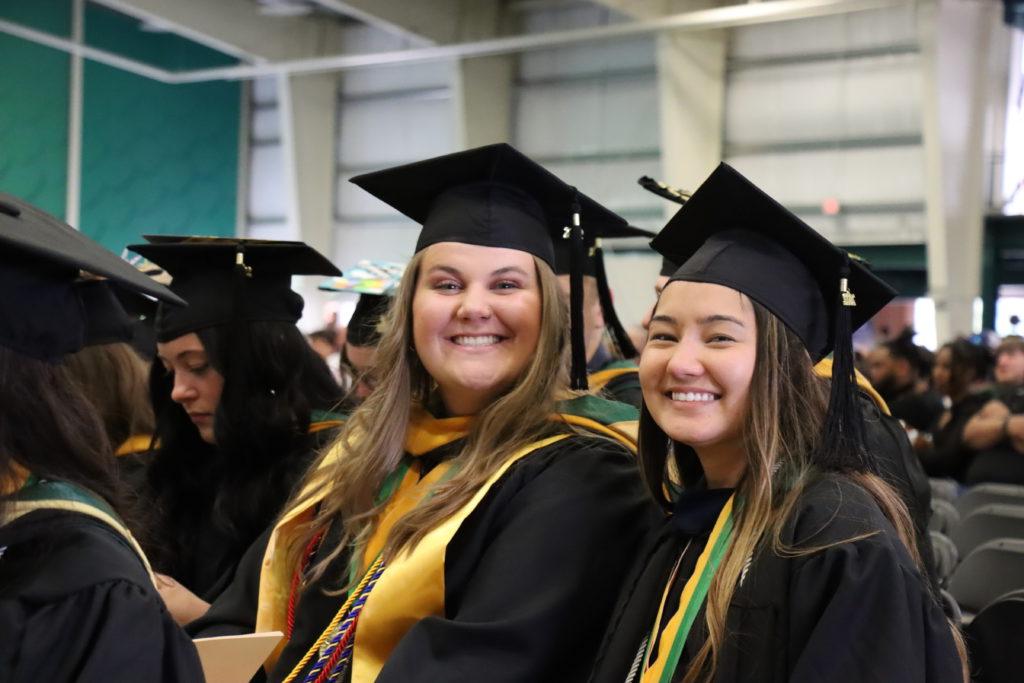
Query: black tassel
{"type": "Point", "coordinates": [843, 441]}
{"type": "Point", "coordinates": [620, 337]}
{"type": "Point", "coordinates": [578, 370]}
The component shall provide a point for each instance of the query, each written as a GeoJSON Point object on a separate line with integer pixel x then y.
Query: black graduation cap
{"type": "Point", "coordinates": [733, 234]}
{"type": "Point", "coordinates": [673, 194]}
{"type": "Point", "coordinates": [362, 326]}
{"type": "Point", "coordinates": [42, 314]}
{"type": "Point", "coordinates": [229, 280]}
{"type": "Point", "coordinates": [491, 196]}
{"type": "Point", "coordinates": [107, 319]}
{"type": "Point", "coordinates": [601, 224]}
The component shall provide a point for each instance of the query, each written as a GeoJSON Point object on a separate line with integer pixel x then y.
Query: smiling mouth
{"type": "Point", "coordinates": [476, 340]}
{"type": "Point", "coordinates": [693, 396]}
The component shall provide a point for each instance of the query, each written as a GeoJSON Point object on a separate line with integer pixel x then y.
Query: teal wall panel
{"type": "Point", "coordinates": [121, 34]}
{"type": "Point", "coordinates": [34, 106]}
{"type": "Point", "coordinates": [157, 158]}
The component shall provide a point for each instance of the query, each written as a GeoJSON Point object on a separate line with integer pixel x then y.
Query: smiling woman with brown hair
{"type": "Point", "coordinates": [470, 523]}
{"type": "Point", "coordinates": [786, 557]}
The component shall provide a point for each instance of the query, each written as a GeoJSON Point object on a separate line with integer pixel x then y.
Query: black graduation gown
{"type": "Point", "coordinates": [1001, 463]}
{"type": "Point", "coordinates": [76, 604]}
{"type": "Point", "coordinates": [920, 410]}
{"type": "Point", "coordinates": [948, 456]}
{"type": "Point", "coordinates": [208, 565]}
{"type": "Point", "coordinates": [530, 578]}
{"type": "Point", "coordinates": [624, 388]}
{"type": "Point", "coordinates": [900, 467]}
{"type": "Point", "coordinates": [857, 611]}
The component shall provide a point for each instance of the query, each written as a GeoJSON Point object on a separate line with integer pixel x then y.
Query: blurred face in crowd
{"type": "Point", "coordinates": [697, 367]}
{"type": "Point", "coordinates": [942, 372]}
{"type": "Point", "coordinates": [593, 316]}
{"type": "Point", "coordinates": [1010, 366]}
{"type": "Point", "coordinates": [197, 385]}
{"type": "Point", "coordinates": [887, 373]}
{"type": "Point", "coordinates": [360, 359]}
{"type": "Point", "coordinates": [476, 319]}
{"type": "Point", "coordinates": [879, 365]}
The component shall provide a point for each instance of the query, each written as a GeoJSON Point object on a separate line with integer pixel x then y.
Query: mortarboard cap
{"type": "Point", "coordinates": [600, 224]}
{"type": "Point", "coordinates": [230, 280]}
{"type": "Point", "coordinates": [362, 326]}
{"type": "Point", "coordinates": [107, 320]}
{"type": "Point", "coordinates": [491, 196]}
{"type": "Point", "coordinates": [731, 233]}
{"type": "Point", "coordinates": [375, 283]}
{"type": "Point", "coordinates": [42, 311]}
{"type": "Point", "coordinates": [673, 194]}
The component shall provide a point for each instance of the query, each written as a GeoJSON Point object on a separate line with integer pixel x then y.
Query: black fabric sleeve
{"type": "Point", "coordinates": [858, 614]}
{"type": "Point", "coordinates": [113, 631]}
{"type": "Point", "coordinates": [533, 574]}
{"type": "Point", "coordinates": [234, 611]}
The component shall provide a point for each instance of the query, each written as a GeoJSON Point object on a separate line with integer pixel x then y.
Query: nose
{"type": "Point", "coordinates": [685, 361]}
{"type": "Point", "coordinates": [474, 304]}
{"type": "Point", "coordinates": [182, 391]}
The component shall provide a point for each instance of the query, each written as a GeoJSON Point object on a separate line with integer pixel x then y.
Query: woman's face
{"type": "Point", "coordinates": [942, 371]}
{"type": "Point", "coordinates": [697, 366]}
{"type": "Point", "coordinates": [197, 385]}
{"type": "Point", "coordinates": [476, 321]}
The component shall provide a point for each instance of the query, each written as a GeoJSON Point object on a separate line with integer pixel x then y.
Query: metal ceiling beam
{"type": "Point", "coordinates": [721, 17]}
{"type": "Point", "coordinates": [699, 20]}
{"type": "Point", "coordinates": [425, 22]}
{"type": "Point", "coordinates": [236, 27]}
{"type": "Point", "coordinates": [73, 48]}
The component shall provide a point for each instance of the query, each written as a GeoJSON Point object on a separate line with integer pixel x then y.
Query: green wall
{"type": "Point", "coordinates": [34, 106]}
{"type": "Point", "coordinates": [155, 158]}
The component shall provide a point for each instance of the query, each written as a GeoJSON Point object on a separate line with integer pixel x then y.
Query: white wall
{"type": "Point", "coordinates": [830, 108]}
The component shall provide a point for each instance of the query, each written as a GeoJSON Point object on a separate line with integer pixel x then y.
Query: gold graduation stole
{"type": "Point", "coordinates": [824, 369]}
{"type": "Point", "coordinates": [598, 380]}
{"type": "Point", "coordinates": [136, 443]}
{"type": "Point", "coordinates": [673, 638]}
{"type": "Point", "coordinates": [412, 585]}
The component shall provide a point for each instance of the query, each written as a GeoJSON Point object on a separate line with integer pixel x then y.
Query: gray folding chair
{"type": "Point", "coordinates": [944, 516]}
{"type": "Point", "coordinates": [944, 489]}
{"type": "Point", "coordinates": [988, 494]}
{"type": "Point", "coordinates": [946, 556]}
{"type": "Point", "coordinates": [993, 569]}
{"type": "Point", "coordinates": [995, 639]}
{"type": "Point", "coordinates": [988, 523]}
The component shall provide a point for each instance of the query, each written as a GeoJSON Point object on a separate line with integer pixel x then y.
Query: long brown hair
{"type": "Point", "coordinates": [781, 429]}
{"type": "Point", "coordinates": [116, 381]}
{"type": "Point", "coordinates": [373, 446]}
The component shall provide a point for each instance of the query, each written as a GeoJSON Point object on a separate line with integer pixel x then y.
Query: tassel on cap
{"type": "Point", "coordinates": [578, 370]}
{"type": "Point", "coordinates": [618, 334]}
{"type": "Point", "coordinates": [843, 442]}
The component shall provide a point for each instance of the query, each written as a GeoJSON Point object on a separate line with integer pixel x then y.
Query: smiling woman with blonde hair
{"type": "Point", "coordinates": [786, 557]}
{"type": "Point", "coordinates": [473, 520]}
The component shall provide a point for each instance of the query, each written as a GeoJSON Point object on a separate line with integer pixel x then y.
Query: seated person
{"type": "Point", "coordinates": [996, 432]}
{"type": "Point", "coordinates": [897, 371]}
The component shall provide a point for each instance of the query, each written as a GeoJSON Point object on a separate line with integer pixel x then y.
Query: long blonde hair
{"type": "Point", "coordinates": [782, 430]}
{"type": "Point", "coordinates": [373, 439]}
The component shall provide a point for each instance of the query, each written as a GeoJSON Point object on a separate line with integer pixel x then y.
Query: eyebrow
{"type": "Point", "coordinates": [499, 271]}
{"type": "Point", "coordinates": [707, 320]}
{"type": "Point", "coordinates": [182, 354]}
